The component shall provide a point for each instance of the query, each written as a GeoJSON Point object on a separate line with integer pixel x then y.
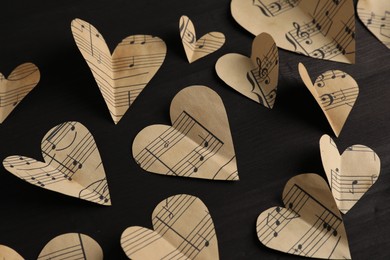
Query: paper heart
{"type": "Point", "coordinates": [255, 77]}
{"type": "Point", "coordinates": [72, 246]}
{"type": "Point", "coordinates": [196, 49]}
{"type": "Point", "coordinates": [18, 84]}
{"type": "Point", "coordinates": [122, 76]}
{"type": "Point", "coordinates": [375, 15]}
{"type": "Point", "coordinates": [335, 92]}
{"type": "Point", "coordinates": [8, 253]}
{"type": "Point", "coordinates": [72, 164]}
{"type": "Point", "coordinates": [310, 225]}
{"type": "Point", "coordinates": [351, 174]}
{"type": "Point", "coordinates": [183, 229]}
{"type": "Point", "coordinates": [197, 145]}
{"type": "Point", "coordinates": [319, 29]}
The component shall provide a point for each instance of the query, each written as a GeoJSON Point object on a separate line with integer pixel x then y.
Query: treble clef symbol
{"type": "Point", "coordinates": [302, 34]}
{"type": "Point", "coordinates": [263, 72]}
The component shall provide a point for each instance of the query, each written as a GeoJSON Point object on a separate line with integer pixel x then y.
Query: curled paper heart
{"type": "Point", "coordinates": [183, 229]}
{"type": "Point", "coordinates": [319, 29]}
{"type": "Point", "coordinates": [309, 225]}
{"type": "Point", "coordinates": [122, 76]}
{"type": "Point", "coordinates": [7, 253]}
{"type": "Point", "coordinates": [255, 77]}
{"type": "Point", "coordinates": [14, 88]}
{"type": "Point", "coordinates": [335, 92]}
{"type": "Point", "coordinates": [72, 164]}
{"type": "Point", "coordinates": [196, 49]}
{"type": "Point", "coordinates": [351, 174]}
{"type": "Point", "coordinates": [197, 145]}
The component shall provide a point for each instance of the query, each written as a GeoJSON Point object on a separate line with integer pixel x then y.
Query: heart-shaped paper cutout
{"type": "Point", "coordinates": [319, 29]}
{"type": "Point", "coordinates": [197, 145]}
{"type": "Point", "coordinates": [310, 225]}
{"type": "Point", "coordinates": [196, 49]}
{"type": "Point", "coordinates": [335, 92]}
{"type": "Point", "coordinates": [255, 77]}
{"type": "Point", "coordinates": [72, 164]}
{"type": "Point", "coordinates": [351, 174]}
{"type": "Point", "coordinates": [183, 229]}
{"type": "Point", "coordinates": [375, 15]}
{"type": "Point", "coordinates": [18, 84]}
{"type": "Point", "coordinates": [122, 76]}
{"type": "Point", "coordinates": [72, 246]}
{"type": "Point", "coordinates": [7, 253]}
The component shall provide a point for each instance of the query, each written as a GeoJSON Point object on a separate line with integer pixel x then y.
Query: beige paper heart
{"type": "Point", "coordinates": [183, 229]}
{"type": "Point", "coordinates": [7, 253]}
{"type": "Point", "coordinates": [72, 246]}
{"type": "Point", "coordinates": [72, 164]}
{"type": "Point", "coordinates": [122, 76]}
{"type": "Point", "coordinates": [319, 29]}
{"type": "Point", "coordinates": [375, 15]}
{"type": "Point", "coordinates": [310, 225]}
{"type": "Point", "coordinates": [335, 92]}
{"type": "Point", "coordinates": [196, 49]}
{"type": "Point", "coordinates": [351, 174]}
{"type": "Point", "coordinates": [197, 145]}
{"type": "Point", "coordinates": [255, 77]}
{"type": "Point", "coordinates": [18, 84]}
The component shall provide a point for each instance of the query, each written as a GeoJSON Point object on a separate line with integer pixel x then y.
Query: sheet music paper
{"type": "Point", "coordinates": [7, 253]}
{"type": "Point", "coordinates": [197, 145]}
{"type": "Point", "coordinates": [196, 49]}
{"type": "Point", "coordinates": [375, 15]}
{"type": "Point", "coordinates": [351, 174]}
{"type": "Point", "coordinates": [335, 92]}
{"type": "Point", "coordinates": [72, 164]}
{"type": "Point", "coordinates": [122, 76]}
{"type": "Point", "coordinates": [14, 88]}
{"type": "Point", "coordinates": [320, 29]}
{"type": "Point", "coordinates": [255, 77]}
{"type": "Point", "coordinates": [309, 224]}
{"type": "Point", "coordinates": [72, 246]}
{"type": "Point", "coordinates": [183, 229]}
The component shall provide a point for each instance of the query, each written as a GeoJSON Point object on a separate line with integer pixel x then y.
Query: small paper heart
{"type": "Point", "coordinates": [14, 88]}
{"type": "Point", "coordinates": [72, 164]}
{"type": "Point", "coordinates": [8, 253]}
{"type": "Point", "coordinates": [309, 225]}
{"type": "Point", "coordinates": [197, 145]}
{"type": "Point", "coordinates": [196, 49]}
{"type": "Point", "coordinates": [351, 174]}
{"type": "Point", "coordinates": [183, 229]}
{"type": "Point", "coordinates": [255, 77]}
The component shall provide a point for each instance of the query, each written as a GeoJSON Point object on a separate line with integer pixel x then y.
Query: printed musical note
{"type": "Point", "coordinates": [275, 7]}
{"type": "Point", "coordinates": [183, 229]}
{"type": "Point", "coordinates": [72, 164]}
{"type": "Point", "coordinates": [132, 65]}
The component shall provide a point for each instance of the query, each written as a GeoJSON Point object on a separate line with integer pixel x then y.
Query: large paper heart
{"type": "Point", "coordinates": [183, 229]}
{"type": "Point", "coordinates": [309, 225]}
{"type": "Point", "coordinates": [72, 246]}
{"type": "Point", "coordinates": [375, 15]}
{"type": "Point", "coordinates": [72, 164]}
{"type": "Point", "coordinates": [196, 49]}
{"type": "Point", "coordinates": [197, 145]}
{"type": "Point", "coordinates": [319, 29]}
{"type": "Point", "coordinates": [335, 92]}
{"type": "Point", "coordinates": [7, 253]}
{"type": "Point", "coordinates": [351, 174]}
{"type": "Point", "coordinates": [122, 76]}
{"type": "Point", "coordinates": [255, 77]}
{"type": "Point", "coordinates": [18, 84]}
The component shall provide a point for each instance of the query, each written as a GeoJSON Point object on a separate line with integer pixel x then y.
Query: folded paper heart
{"type": "Point", "coordinates": [183, 229]}
{"type": "Point", "coordinates": [351, 174]}
{"type": "Point", "coordinates": [8, 253]}
{"type": "Point", "coordinates": [18, 84]}
{"type": "Point", "coordinates": [335, 92]}
{"type": "Point", "coordinates": [196, 49]}
{"type": "Point", "coordinates": [122, 76]}
{"type": "Point", "coordinates": [375, 16]}
{"type": "Point", "coordinates": [197, 145]}
{"type": "Point", "coordinates": [309, 225]}
{"type": "Point", "coordinates": [319, 29]}
{"type": "Point", "coordinates": [255, 77]}
{"type": "Point", "coordinates": [72, 164]}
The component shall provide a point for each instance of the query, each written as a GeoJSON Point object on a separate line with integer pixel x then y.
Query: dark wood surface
{"type": "Point", "coordinates": [271, 145]}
